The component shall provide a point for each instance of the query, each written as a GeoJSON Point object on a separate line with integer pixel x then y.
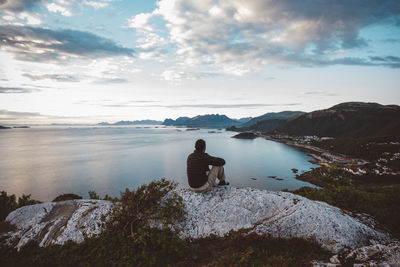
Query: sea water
{"type": "Point", "coordinates": [49, 161]}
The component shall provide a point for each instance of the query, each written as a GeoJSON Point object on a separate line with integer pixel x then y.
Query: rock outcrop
{"type": "Point", "coordinates": [278, 214]}
{"type": "Point", "coordinates": [57, 222]}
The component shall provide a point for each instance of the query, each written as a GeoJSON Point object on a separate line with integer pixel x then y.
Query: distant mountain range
{"type": "Point", "coordinates": [345, 120]}
{"type": "Point", "coordinates": [142, 122]}
{"type": "Point", "coordinates": [267, 122]}
{"type": "Point", "coordinates": [209, 120]}
{"type": "Point", "coordinates": [349, 120]}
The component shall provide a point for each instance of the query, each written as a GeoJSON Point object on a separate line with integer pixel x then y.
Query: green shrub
{"type": "Point", "coordinates": [241, 249]}
{"type": "Point", "coordinates": [93, 195]}
{"type": "Point", "coordinates": [149, 204]}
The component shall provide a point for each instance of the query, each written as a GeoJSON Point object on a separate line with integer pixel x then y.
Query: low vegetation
{"type": "Point", "coordinates": [370, 149]}
{"type": "Point", "coordinates": [375, 195]}
{"type": "Point", "coordinates": [130, 241]}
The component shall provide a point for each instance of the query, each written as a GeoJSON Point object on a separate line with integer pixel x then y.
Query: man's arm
{"type": "Point", "coordinates": [215, 161]}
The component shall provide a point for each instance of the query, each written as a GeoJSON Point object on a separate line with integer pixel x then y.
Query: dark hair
{"type": "Point", "coordinates": [200, 145]}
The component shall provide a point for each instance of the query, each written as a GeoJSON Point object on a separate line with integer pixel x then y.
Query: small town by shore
{"type": "Point", "coordinates": [324, 157]}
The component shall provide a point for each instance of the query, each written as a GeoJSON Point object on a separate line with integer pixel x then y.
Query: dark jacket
{"type": "Point", "coordinates": [197, 166]}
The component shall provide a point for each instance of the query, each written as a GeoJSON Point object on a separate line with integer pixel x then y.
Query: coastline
{"type": "Point", "coordinates": [321, 157]}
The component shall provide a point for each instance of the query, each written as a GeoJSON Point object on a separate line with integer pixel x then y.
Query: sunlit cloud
{"type": "Point", "coordinates": [243, 36]}
{"type": "Point", "coordinates": [59, 8]}
{"type": "Point", "coordinates": [240, 58]}
{"type": "Point", "coordinates": [176, 76]}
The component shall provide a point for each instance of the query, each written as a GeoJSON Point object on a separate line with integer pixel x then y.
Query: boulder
{"type": "Point", "coordinates": [57, 222]}
{"type": "Point", "coordinates": [277, 214]}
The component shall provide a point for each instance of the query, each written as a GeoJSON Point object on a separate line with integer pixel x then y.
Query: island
{"type": "Point", "coordinates": [246, 135]}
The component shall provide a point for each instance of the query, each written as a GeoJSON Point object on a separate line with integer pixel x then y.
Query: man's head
{"type": "Point", "coordinates": [200, 145]}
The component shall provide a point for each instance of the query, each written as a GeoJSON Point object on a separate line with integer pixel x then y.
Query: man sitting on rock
{"type": "Point", "coordinates": [200, 177]}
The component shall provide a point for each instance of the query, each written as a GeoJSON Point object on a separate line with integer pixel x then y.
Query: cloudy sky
{"type": "Point", "coordinates": [107, 60]}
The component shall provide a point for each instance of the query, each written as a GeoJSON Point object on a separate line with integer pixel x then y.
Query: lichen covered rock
{"type": "Point", "coordinates": [278, 214]}
{"type": "Point", "coordinates": [57, 222]}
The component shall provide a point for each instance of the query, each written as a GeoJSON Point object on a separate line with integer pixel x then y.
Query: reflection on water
{"type": "Point", "coordinates": [48, 161]}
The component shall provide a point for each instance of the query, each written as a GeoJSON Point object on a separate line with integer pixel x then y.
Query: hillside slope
{"type": "Point", "coordinates": [284, 115]}
{"type": "Point", "coordinates": [267, 122]}
{"type": "Point", "coordinates": [351, 120]}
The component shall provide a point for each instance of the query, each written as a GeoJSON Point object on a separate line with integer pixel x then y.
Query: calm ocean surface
{"type": "Point", "coordinates": [49, 161]}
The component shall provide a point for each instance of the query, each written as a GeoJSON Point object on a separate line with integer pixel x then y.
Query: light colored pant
{"type": "Point", "coordinates": [213, 174]}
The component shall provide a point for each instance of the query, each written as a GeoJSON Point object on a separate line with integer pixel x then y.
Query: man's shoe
{"type": "Point", "coordinates": [222, 183]}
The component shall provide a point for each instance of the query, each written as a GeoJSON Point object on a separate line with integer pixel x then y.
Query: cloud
{"type": "Point", "coordinates": [241, 36]}
{"type": "Point", "coordinates": [318, 93]}
{"type": "Point", "coordinates": [57, 6]}
{"type": "Point", "coordinates": [12, 115]}
{"type": "Point", "coordinates": [54, 77]}
{"type": "Point", "coordinates": [390, 61]}
{"type": "Point", "coordinates": [110, 80]}
{"type": "Point", "coordinates": [391, 40]}
{"type": "Point", "coordinates": [224, 106]}
{"type": "Point", "coordinates": [131, 103]}
{"type": "Point", "coordinates": [75, 78]}
{"type": "Point", "coordinates": [19, 12]}
{"type": "Point", "coordinates": [64, 7]}
{"type": "Point", "coordinates": [150, 43]}
{"type": "Point", "coordinates": [96, 5]}
{"type": "Point", "coordinates": [18, 5]}
{"type": "Point", "coordinates": [144, 104]}
{"type": "Point", "coordinates": [176, 76]}
{"type": "Point", "coordinates": [19, 117]}
{"type": "Point", "coordinates": [141, 22]}
{"type": "Point", "coordinates": [17, 90]}
{"type": "Point", "coordinates": [39, 44]}
{"type": "Point", "coordinates": [7, 116]}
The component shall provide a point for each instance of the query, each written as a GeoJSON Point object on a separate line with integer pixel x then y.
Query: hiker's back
{"type": "Point", "coordinates": [197, 167]}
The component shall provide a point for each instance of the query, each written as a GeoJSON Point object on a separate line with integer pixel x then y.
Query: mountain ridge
{"type": "Point", "coordinates": [349, 119]}
{"type": "Point", "coordinates": [282, 115]}
{"type": "Point", "coordinates": [208, 120]}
